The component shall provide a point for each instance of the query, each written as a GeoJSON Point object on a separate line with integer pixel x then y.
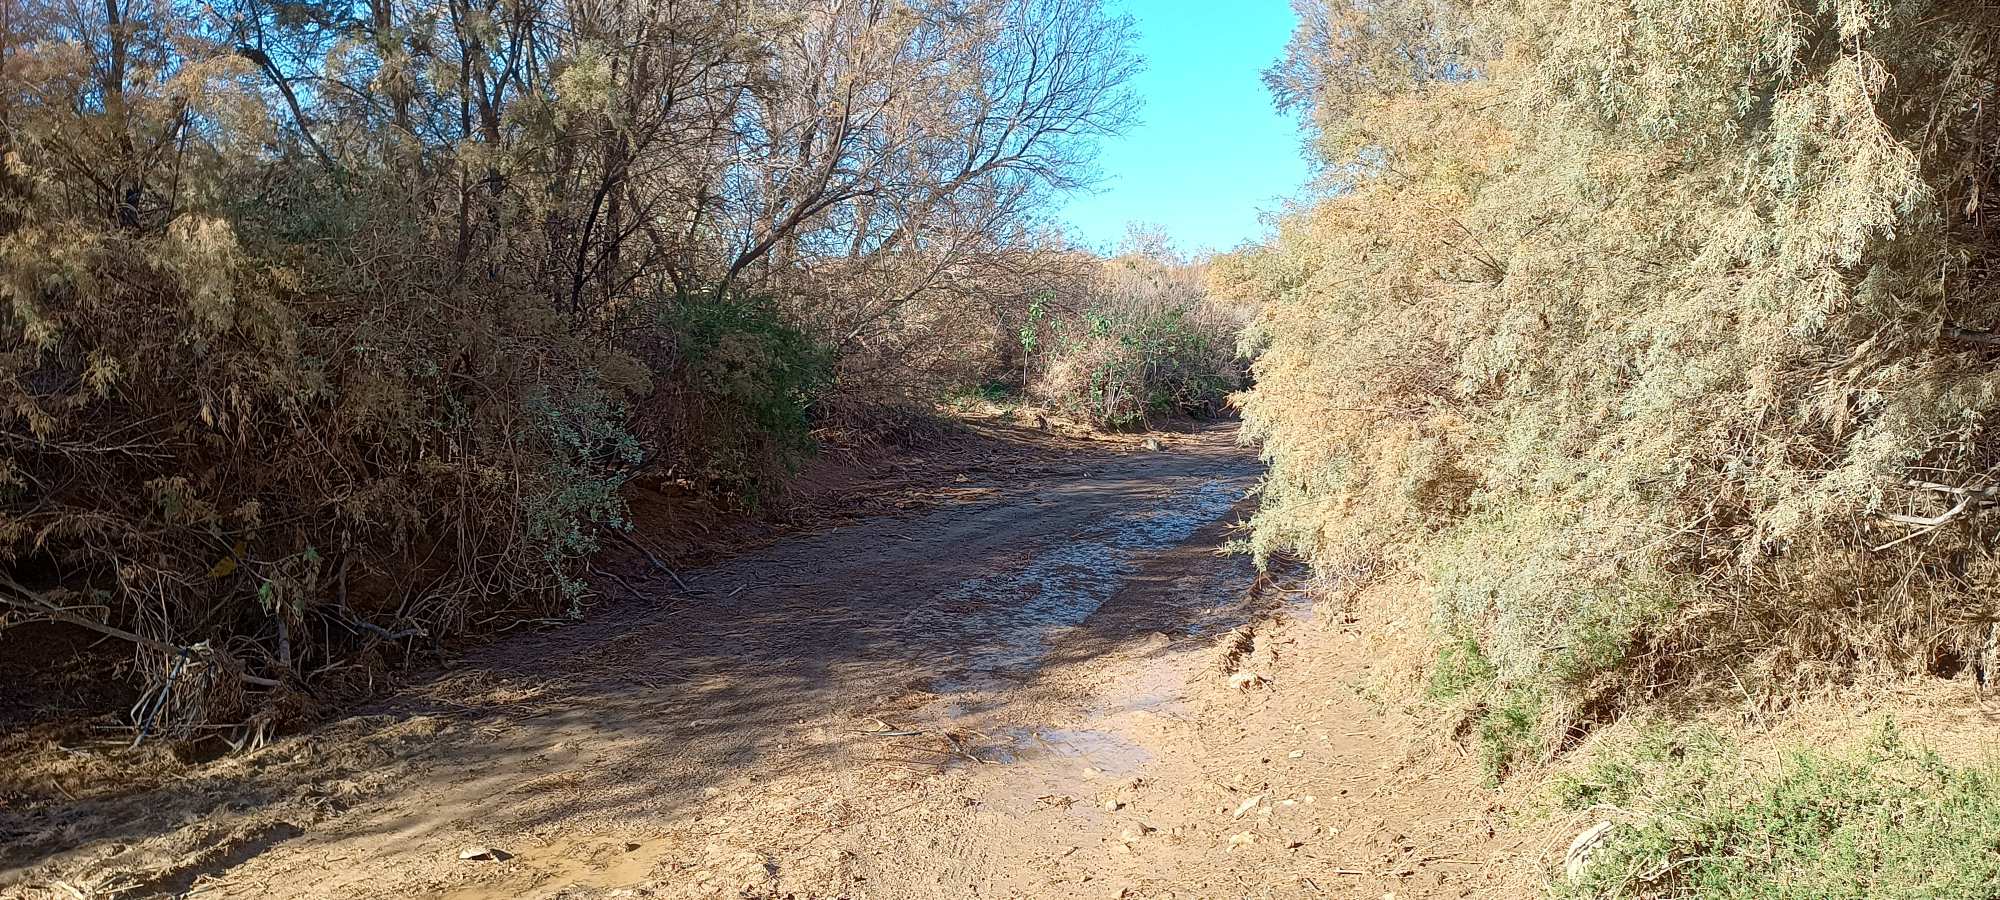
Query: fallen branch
{"type": "Point", "coordinates": [1968, 336]}
{"type": "Point", "coordinates": [1908, 537]}
{"type": "Point", "coordinates": [654, 560]}
{"type": "Point", "coordinates": [1969, 500]}
{"type": "Point", "coordinates": [33, 602]}
{"type": "Point", "coordinates": [1990, 490]}
{"type": "Point", "coordinates": [1931, 521]}
{"type": "Point", "coordinates": [387, 635]}
{"type": "Point", "coordinates": [629, 589]}
{"type": "Point", "coordinates": [349, 618]}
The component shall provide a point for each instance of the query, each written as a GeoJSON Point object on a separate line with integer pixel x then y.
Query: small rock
{"type": "Point", "coordinates": [1295, 754]}
{"type": "Point", "coordinates": [1135, 831]}
{"type": "Point", "coordinates": [1245, 681]}
{"type": "Point", "coordinates": [1112, 804]}
{"type": "Point", "coordinates": [1242, 839]}
{"type": "Point", "coordinates": [493, 854]}
{"type": "Point", "coordinates": [1154, 445]}
{"type": "Point", "coordinates": [1246, 806]}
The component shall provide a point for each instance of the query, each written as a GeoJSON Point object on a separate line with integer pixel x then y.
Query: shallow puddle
{"type": "Point", "coordinates": [1086, 750]}
{"type": "Point", "coordinates": [1006, 622]}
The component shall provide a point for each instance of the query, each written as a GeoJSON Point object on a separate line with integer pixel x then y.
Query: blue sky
{"type": "Point", "coordinates": [1209, 152]}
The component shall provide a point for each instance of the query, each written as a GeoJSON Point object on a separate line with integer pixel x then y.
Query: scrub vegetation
{"type": "Point", "coordinates": [1656, 341]}
{"type": "Point", "coordinates": [1884, 819]}
{"type": "Point", "coordinates": [1144, 340]}
{"type": "Point", "coordinates": [328, 330]}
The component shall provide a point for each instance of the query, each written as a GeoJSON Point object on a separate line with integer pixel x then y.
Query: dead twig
{"type": "Point", "coordinates": [1931, 521]}
{"type": "Point", "coordinates": [23, 598]}
{"type": "Point", "coordinates": [654, 560]}
{"type": "Point", "coordinates": [629, 589]}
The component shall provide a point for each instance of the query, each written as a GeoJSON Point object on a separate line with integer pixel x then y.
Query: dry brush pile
{"type": "Point", "coordinates": [328, 330]}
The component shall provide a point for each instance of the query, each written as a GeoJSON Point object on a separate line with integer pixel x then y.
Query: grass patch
{"type": "Point", "coordinates": [1507, 733]}
{"type": "Point", "coordinates": [1462, 669]}
{"type": "Point", "coordinates": [1886, 820]}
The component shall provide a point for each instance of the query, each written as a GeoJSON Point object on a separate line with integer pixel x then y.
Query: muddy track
{"type": "Point", "coordinates": [1014, 693]}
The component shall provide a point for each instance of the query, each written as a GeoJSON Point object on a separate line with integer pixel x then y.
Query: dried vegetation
{"type": "Point", "coordinates": [1657, 338]}
{"type": "Point", "coordinates": [330, 330]}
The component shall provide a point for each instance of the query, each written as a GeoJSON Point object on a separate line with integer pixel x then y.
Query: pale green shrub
{"type": "Point", "coordinates": [1649, 334]}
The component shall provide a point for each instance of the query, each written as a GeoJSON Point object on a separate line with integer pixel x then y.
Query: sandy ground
{"type": "Point", "coordinates": [1047, 682]}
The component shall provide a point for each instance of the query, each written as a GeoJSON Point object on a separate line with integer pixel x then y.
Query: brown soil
{"type": "Point", "coordinates": [1035, 677]}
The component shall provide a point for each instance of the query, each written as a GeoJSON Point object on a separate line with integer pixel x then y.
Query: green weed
{"type": "Point", "coordinates": [1507, 733]}
{"type": "Point", "coordinates": [1885, 821]}
{"type": "Point", "coordinates": [1462, 669]}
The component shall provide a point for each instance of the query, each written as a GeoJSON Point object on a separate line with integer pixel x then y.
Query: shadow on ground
{"type": "Point", "coordinates": [767, 663]}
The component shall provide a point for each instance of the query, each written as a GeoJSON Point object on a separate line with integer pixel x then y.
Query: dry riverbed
{"type": "Point", "coordinates": [1049, 683]}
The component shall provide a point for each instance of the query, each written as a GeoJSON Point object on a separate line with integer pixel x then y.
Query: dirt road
{"type": "Point", "coordinates": [1050, 686]}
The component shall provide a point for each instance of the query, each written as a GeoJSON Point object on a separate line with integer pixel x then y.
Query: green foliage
{"type": "Point", "coordinates": [744, 385]}
{"type": "Point", "coordinates": [1689, 757]}
{"type": "Point", "coordinates": [1461, 669]}
{"type": "Point", "coordinates": [589, 454]}
{"type": "Point", "coordinates": [1123, 371]}
{"type": "Point", "coordinates": [1886, 821]}
{"type": "Point", "coordinates": [1031, 330]}
{"type": "Point", "coordinates": [1504, 719]}
{"type": "Point", "coordinates": [997, 392]}
{"type": "Point", "coordinates": [1508, 733]}
{"type": "Point", "coordinates": [1545, 619]}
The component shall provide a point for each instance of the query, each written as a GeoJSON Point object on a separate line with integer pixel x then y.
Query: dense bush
{"type": "Point", "coordinates": [1141, 341]}
{"type": "Point", "coordinates": [331, 329]}
{"type": "Point", "coordinates": [202, 449]}
{"type": "Point", "coordinates": [1658, 338]}
{"type": "Point", "coordinates": [1126, 368]}
{"type": "Point", "coordinates": [739, 396]}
